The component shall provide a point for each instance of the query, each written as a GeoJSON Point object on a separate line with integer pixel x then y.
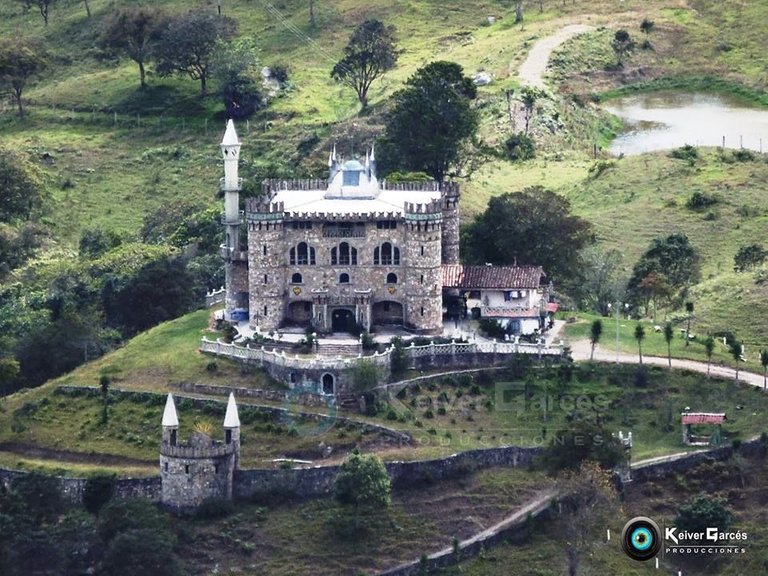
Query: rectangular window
{"type": "Point", "coordinates": [215, 468]}
{"type": "Point", "coordinates": [422, 310]}
{"type": "Point", "coordinates": [507, 295]}
{"type": "Point", "coordinates": [422, 250]}
{"type": "Point", "coordinates": [386, 224]}
{"type": "Point", "coordinates": [422, 278]}
{"type": "Point", "coordinates": [166, 466]}
{"type": "Point", "coordinates": [300, 225]}
{"type": "Point", "coordinates": [266, 279]}
{"type": "Point", "coordinates": [186, 469]}
{"type": "Point", "coordinates": [265, 311]}
{"type": "Point", "coordinates": [264, 249]}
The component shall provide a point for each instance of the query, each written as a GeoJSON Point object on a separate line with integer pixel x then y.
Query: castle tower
{"type": "Point", "coordinates": [267, 257]}
{"type": "Point", "coordinates": [200, 469]}
{"type": "Point", "coordinates": [450, 238]}
{"type": "Point", "coordinates": [235, 260]}
{"type": "Point", "coordinates": [232, 428]}
{"type": "Point", "coordinates": [424, 280]}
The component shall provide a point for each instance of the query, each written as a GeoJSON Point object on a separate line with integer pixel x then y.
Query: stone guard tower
{"type": "Point", "coordinates": [201, 469]}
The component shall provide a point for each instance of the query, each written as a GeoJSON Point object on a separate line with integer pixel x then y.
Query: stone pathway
{"type": "Point", "coordinates": [532, 70]}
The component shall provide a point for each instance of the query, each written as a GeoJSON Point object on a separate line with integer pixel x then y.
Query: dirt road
{"type": "Point", "coordinates": [532, 70]}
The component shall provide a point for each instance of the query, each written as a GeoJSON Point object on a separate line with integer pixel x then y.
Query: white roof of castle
{"type": "Point", "coordinates": [231, 418]}
{"type": "Point", "coordinates": [301, 201]}
{"type": "Point", "coordinates": [230, 135]}
{"type": "Point", "coordinates": [169, 414]}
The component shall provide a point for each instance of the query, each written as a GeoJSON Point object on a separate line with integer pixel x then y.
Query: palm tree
{"type": "Point", "coordinates": [640, 336]}
{"type": "Point", "coordinates": [764, 362]}
{"type": "Point", "coordinates": [669, 334]}
{"type": "Point", "coordinates": [689, 312]}
{"type": "Point", "coordinates": [709, 346]}
{"type": "Point", "coordinates": [737, 349]}
{"type": "Point", "coordinates": [595, 332]}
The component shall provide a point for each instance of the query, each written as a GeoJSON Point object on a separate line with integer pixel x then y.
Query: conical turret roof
{"type": "Point", "coordinates": [231, 418]}
{"type": "Point", "coordinates": [169, 414]}
{"type": "Point", "coordinates": [230, 135]}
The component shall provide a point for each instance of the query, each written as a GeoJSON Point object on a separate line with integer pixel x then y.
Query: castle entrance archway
{"type": "Point", "coordinates": [342, 320]}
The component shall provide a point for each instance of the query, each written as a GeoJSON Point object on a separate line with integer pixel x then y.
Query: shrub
{"type": "Point", "coordinates": [441, 411]}
{"type": "Point", "coordinates": [700, 200]}
{"type": "Point", "coordinates": [744, 155]}
{"type": "Point", "coordinates": [703, 511]}
{"type": "Point", "coordinates": [391, 415]}
{"type": "Point", "coordinates": [428, 413]}
{"type": "Point", "coordinates": [280, 73]}
{"type": "Point", "coordinates": [687, 152]}
{"type": "Point", "coordinates": [519, 147]}
{"type": "Point", "coordinates": [748, 257]}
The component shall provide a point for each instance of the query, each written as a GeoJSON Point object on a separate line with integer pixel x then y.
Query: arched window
{"type": "Point", "coordinates": [344, 255]}
{"type": "Point", "coordinates": [302, 255]}
{"type": "Point", "coordinates": [391, 278]}
{"type": "Point", "coordinates": [386, 255]}
{"type": "Point", "coordinates": [296, 278]}
{"type": "Point", "coordinates": [344, 278]}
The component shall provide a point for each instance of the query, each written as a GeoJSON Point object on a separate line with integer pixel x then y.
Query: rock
{"type": "Point", "coordinates": [482, 79]}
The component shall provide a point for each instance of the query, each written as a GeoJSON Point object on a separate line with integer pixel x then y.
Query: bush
{"type": "Point", "coordinates": [279, 72]}
{"type": "Point", "coordinates": [687, 152]}
{"type": "Point", "coordinates": [700, 200]}
{"type": "Point", "coordinates": [703, 511]}
{"type": "Point", "coordinates": [748, 257]}
{"type": "Point", "coordinates": [519, 147]}
{"type": "Point", "coordinates": [744, 155]}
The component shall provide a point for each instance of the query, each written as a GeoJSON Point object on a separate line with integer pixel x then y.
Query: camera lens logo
{"type": "Point", "coordinates": [641, 538]}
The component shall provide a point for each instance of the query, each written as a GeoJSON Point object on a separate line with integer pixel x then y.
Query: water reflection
{"type": "Point", "coordinates": [664, 120]}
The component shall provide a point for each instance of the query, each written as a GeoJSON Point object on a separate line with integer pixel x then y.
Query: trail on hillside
{"type": "Point", "coordinates": [532, 70]}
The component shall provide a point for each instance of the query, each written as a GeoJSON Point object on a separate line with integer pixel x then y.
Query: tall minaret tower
{"type": "Point", "coordinates": [230, 185]}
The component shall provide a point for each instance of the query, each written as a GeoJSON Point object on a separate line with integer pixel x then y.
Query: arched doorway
{"type": "Point", "coordinates": [342, 320]}
{"type": "Point", "coordinates": [328, 384]}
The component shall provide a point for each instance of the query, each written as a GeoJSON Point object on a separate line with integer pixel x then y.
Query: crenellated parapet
{"type": "Point", "coordinates": [272, 185]}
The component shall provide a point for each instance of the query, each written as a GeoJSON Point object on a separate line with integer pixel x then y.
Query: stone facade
{"type": "Point", "coordinates": [329, 254]}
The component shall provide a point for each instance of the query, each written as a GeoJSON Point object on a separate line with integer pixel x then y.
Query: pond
{"type": "Point", "coordinates": [665, 120]}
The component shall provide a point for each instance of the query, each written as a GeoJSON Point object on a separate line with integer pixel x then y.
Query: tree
{"type": "Point", "coordinates": [20, 61]}
{"type": "Point", "coordinates": [709, 348]}
{"type": "Point", "coordinates": [431, 122]}
{"type": "Point", "coordinates": [689, 308]}
{"type": "Point", "coordinates": [43, 6]}
{"type": "Point", "coordinates": [188, 42]}
{"type": "Point", "coordinates": [134, 31]}
{"type": "Point", "coordinates": [600, 284]}
{"type": "Point", "coordinates": [646, 26]}
{"type": "Point", "coordinates": [529, 96]}
{"type": "Point", "coordinates": [595, 331]}
{"type": "Point", "coordinates": [588, 499]}
{"type": "Point", "coordinates": [748, 257]}
{"type": "Point", "coordinates": [702, 512]}
{"type": "Point", "coordinates": [87, 8]}
{"type": "Point", "coordinates": [622, 45]}
{"type": "Point", "coordinates": [98, 492]}
{"type": "Point", "coordinates": [736, 348]}
{"type": "Point", "coordinates": [532, 227]}
{"type": "Point", "coordinates": [764, 362]}
{"type": "Point", "coordinates": [583, 440]}
{"type": "Point", "coordinates": [362, 484]}
{"type": "Point", "coordinates": [312, 13]}
{"type": "Point", "coordinates": [370, 53]}
{"type": "Point", "coordinates": [669, 335]}
{"type": "Point", "coordinates": [672, 259]}
{"type": "Point", "coordinates": [20, 187]}
{"type": "Point", "coordinates": [640, 336]}
{"type": "Point", "coordinates": [518, 12]}
{"type": "Point", "coordinates": [365, 375]}
{"type": "Point", "coordinates": [235, 67]}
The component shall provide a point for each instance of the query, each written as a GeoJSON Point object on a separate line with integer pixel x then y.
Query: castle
{"type": "Point", "coordinates": [201, 469]}
{"type": "Point", "coordinates": [333, 254]}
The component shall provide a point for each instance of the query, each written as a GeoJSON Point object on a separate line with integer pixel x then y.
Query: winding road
{"type": "Point", "coordinates": [532, 70]}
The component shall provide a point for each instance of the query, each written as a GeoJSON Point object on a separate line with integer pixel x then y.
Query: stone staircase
{"type": "Point", "coordinates": [335, 349]}
{"type": "Point", "coordinates": [348, 402]}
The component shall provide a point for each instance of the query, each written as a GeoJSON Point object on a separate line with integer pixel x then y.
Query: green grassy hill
{"type": "Point", "coordinates": [118, 153]}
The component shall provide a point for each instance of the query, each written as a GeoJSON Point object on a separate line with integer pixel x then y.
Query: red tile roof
{"type": "Point", "coordinates": [491, 277]}
{"type": "Point", "coordinates": [703, 418]}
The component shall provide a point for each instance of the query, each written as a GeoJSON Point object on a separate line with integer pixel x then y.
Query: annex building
{"type": "Point", "coordinates": [354, 250]}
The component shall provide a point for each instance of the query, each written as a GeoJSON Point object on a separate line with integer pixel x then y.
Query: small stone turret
{"type": "Point", "coordinates": [232, 428]}
{"type": "Point", "coordinates": [200, 469]}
